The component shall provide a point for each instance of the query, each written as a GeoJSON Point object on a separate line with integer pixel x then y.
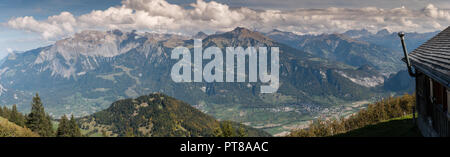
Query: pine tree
{"type": "Point", "coordinates": [227, 129]}
{"type": "Point", "coordinates": [242, 132]}
{"type": "Point", "coordinates": [73, 127]}
{"type": "Point", "coordinates": [63, 127]}
{"type": "Point", "coordinates": [38, 121]}
{"type": "Point", "coordinates": [16, 116]}
{"type": "Point", "coordinates": [6, 112]}
{"type": "Point", "coordinates": [1, 112]}
{"type": "Point", "coordinates": [68, 128]}
{"type": "Point", "coordinates": [218, 131]}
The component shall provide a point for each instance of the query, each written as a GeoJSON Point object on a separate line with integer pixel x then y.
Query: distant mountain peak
{"type": "Point", "coordinates": [91, 43]}
{"type": "Point", "coordinates": [200, 35]}
{"type": "Point", "coordinates": [244, 32]}
{"type": "Point", "coordinates": [337, 36]}
{"type": "Point", "coordinates": [357, 33]}
{"type": "Point", "coordinates": [383, 32]}
{"type": "Point", "coordinates": [276, 30]}
{"type": "Point", "coordinates": [359, 30]}
{"type": "Point", "coordinates": [241, 32]}
{"type": "Point", "coordinates": [69, 56]}
{"type": "Point", "coordinates": [239, 36]}
{"type": "Point", "coordinates": [116, 32]}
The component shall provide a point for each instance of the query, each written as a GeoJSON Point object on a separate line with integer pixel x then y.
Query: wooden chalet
{"type": "Point", "coordinates": [431, 63]}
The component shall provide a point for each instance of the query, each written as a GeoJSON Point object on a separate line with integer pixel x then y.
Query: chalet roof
{"type": "Point", "coordinates": [433, 57]}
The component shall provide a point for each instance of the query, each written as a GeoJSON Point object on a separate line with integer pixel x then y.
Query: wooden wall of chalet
{"type": "Point", "coordinates": [432, 107]}
{"type": "Point", "coordinates": [439, 95]}
{"type": "Point", "coordinates": [423, 95]}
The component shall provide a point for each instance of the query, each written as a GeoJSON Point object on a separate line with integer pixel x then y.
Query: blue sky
{"type": "Point", "coordinates": [44, 8]}
{"type": "Point", "coordinates": [40, 9]}
{"type": "Point", "coordinates": [21, 36]}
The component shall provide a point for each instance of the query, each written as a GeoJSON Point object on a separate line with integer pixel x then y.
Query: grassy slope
{"type": "Point", "coordinates": [396, 127]}
{"type": "Point", "coordinates": [9, 129]}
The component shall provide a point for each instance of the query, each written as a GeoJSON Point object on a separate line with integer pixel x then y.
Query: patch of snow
{"type": "Point", "coordinates": [2, 90]}
{"type": "Point", "coordinates": [364, 81]}
{"type": "Point", "coordinates": [324, 75]}
{"type": "Point", "coordinates": [203, 89]}
{"type": "Point", "coordinates": [81, 73]}
{"type": "Point", "coordinates": [3, 70]}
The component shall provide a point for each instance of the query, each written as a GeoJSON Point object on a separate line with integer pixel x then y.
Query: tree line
{"type": "Point", "coordinates": [226, 129]}
{"type": "Point", "coordinates": [40, 122]}
{"type": "Point", "coordinates": [383, 110]}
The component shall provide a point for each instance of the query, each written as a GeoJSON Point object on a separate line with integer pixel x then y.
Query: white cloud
{"type": "Point", "coordinates": [434, 12]}
{"type": "Point", "coordinates": [54, 26]}
{"type": "Point", "coordinates": [156, 8]}
{"type": "Point", "coordinates": [161, 16]}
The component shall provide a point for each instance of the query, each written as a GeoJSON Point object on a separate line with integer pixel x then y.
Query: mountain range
{"type": "Point", "coordinates": [390, 40]}
{"type": "Point", "coordinates": [381, 50]}
{"type": "Point", "coordinates": [85, 73]}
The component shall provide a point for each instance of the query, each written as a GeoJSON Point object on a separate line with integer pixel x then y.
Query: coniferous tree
{"type": "Point", "coordinates": [68, 128]}
{"type": "Point", "coordinates": [227, 129]}
{"type": "Point", "coordinates": [38, 121]}
{"type": "Point", "coordinates": [16, 116]}
{"type": "Point", "coordinates": [241, 131]}
{"type": "Point", "coordinates": [218, 131]}
{"type": "Point", "coordinates": [1, 112]}
{"type": "Point", "coordinates": [73, 127]}
{"type": "Point", "coordinates": [374, 113]}
{"type": "Point", "coordinates": [6, 112]}
{"type": "Point", "coordinates": [63, 127]}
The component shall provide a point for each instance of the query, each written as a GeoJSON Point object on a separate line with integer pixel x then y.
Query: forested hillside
{"type": "Point", "coordinates": [375, 113]}
{"type": "Point", "coordinates": [158, 115]}
{"type": "Point", "coordinates": [36, 123]}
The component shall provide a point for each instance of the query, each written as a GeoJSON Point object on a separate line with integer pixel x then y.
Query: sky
{"type": "Point", "coordinates": [28, 24]}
